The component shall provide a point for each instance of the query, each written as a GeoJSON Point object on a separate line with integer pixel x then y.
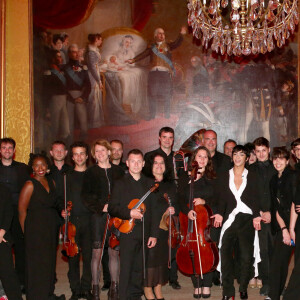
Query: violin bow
{"type": "Point", "coordinates": [167, 198]}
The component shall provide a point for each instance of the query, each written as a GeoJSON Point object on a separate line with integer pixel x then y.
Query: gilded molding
{"type": "Point", "coordinates": [17, 115]}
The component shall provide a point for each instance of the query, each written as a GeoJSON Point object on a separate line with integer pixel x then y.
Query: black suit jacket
{"type": "Point", "coordinates": [6, 210]}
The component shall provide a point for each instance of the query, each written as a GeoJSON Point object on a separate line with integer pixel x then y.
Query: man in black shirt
{"type": "Point", "coordinates": [13, 175]}
{"type": "Point", "coordinates": [264, 171]}
{"type": "Point", "coordinates": [221, 162]}
{"type": "Point", "coordinates": [132, 186]}
{"type": "Point", "coordinates": [80, 217]}
{"type": "Point", "coordinates": [117, 153]}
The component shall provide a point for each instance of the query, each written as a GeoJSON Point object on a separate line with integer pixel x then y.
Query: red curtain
{"type": "Point", "coordinates": [141, 13]}
{"type": "Point", "coordinates": [59, 14]}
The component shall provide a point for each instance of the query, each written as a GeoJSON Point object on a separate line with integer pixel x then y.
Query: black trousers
{"type": "Point", "coordinates": [8, 274]}
{"type": "Point", "coordinates": [173, 272]}
{"type": "Point", "coordinates": [131, 265]}
{"type": "Point", "coordinates": [241, 231]}
{"type": "Point", "coordinates": [84, 241]}
{"type": "Point", "coordinates": [19, 246]}
{"type": "Point", "coordinates": [279, 267]}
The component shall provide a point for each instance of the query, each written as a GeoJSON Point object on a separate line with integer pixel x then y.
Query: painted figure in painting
{"type": "Point", "coordinates": [161, 70]}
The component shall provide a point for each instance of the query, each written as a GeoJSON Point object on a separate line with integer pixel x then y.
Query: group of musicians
{"type": "Point", "coordinates": [124, 215]}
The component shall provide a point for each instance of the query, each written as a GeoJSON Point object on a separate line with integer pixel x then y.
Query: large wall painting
{"type": "Point", "coordinates": [241, 98]}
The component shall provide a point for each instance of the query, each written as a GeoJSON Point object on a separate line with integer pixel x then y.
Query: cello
{"type": "Point", "coordinates": [197, 253]}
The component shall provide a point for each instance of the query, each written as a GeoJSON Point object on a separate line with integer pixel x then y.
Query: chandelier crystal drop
{"type": "Point", "coordinates": [243, 27]}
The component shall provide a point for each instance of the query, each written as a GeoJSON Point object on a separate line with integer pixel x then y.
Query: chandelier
{"type": "Point", "coordinates": [242, 27]}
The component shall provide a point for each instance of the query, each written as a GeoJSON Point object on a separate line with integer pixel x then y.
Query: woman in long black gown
{"type": "Point", "coordinates": [203, 194]}
{"type": "Point", "coordinates": [157, 257]}
{"type": "Point", "coordinates": [38, 212]}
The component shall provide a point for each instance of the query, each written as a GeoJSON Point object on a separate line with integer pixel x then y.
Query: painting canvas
{"type": "Point", "coordinates": [241, 98]}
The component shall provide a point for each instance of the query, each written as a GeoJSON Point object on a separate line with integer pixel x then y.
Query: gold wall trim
{"type": "Point", "coordinates": [2, 67]}
{"type": "Point", "coordinates": [18, 91]}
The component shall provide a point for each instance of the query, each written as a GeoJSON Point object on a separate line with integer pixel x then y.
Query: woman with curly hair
{"type": "Point", "coordinates": [39, 209]}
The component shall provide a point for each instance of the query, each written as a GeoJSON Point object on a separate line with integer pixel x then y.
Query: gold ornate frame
{"type": "Point", "coordinates": [16, 105]}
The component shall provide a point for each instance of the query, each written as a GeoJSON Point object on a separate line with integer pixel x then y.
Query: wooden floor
{"type": "Point", "coordinates": [186, 292]}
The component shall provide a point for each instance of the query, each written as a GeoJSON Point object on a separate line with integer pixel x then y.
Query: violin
{"type": "Point", "coordinates": [126, 226]}
{"type": "Point", "coordinates": [197, 254]}
{"type": "Point", "coordinates": [174, 235]}
{"type": "Point", "coordinates": [113, 241]}
{"type": "Point", "coordinates": [69, 247]}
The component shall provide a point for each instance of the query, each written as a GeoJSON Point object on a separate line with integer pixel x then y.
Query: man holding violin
{"type": "Point", "coordinates": [80, 217]}
{"type": "Point", "coordinates": [134, 185]}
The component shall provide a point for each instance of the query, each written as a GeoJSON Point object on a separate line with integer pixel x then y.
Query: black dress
{"type": "Point", "coordinates": [157, 257]}
{"type": "Point", "coordinates": [40, 241]}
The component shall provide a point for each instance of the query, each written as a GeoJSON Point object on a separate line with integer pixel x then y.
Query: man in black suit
{"type": "Point", "coordinates": [264, 170]}
{"type": "Point", "coordinates": [13, 175]}
{"type": "Point", "coordinates": [133, 186]}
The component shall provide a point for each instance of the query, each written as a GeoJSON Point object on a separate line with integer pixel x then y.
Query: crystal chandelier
{"type": "Point", "coordinates": [242, 27]}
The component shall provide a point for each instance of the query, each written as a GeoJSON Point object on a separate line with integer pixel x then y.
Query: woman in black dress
{"type": "Point", "coordinates": [203, 194]}
{"type": "Point", "coordinates": [97, 185]}
{"type": "Point", "coordinates": [39, 209]}
{"type": "Point", "coordinates": [157, 257]}
{"type": "Point", "coordinates": [283, 188]}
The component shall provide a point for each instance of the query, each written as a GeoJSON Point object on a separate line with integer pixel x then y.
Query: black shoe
{"type": "Point", "coordinates": [75, 296]}
{"type": "Point", "coordinates": [228, 298]}
{"type": "Point", "coordinates": [106, 286]}
{"type": "Point", "coordinates": [86, 295]}
{"type": "Point", "coordinates": [205, 296]}
{"type": "Point", "coordinates": [243, 295]}
{"type": "Point", "coordinates": [197, 296]}
{"type": "Point", "coordinates": [175, 285]}
{"type": "Point", "coordinates": [217, 282]}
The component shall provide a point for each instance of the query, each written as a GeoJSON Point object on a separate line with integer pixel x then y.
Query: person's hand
{"type": "Point", "coordinates": [198, 201]}
{"type": "Point", "coordinates": [286, 237]}
{"type": "Point", "coordinates": [266, 217]}
{"type": "Point", "coordinates": [136, 214]}
{"type": "Point", "coordinates": [256, 223]}
{"type": "Point", "coordinates": [297, 208]}
{"type": "Point", "coordinates": [2, 233]}
{"type": "Point", "coordinates": [293, 234]}
{"type": "Point", "coordinates": [192, 215]}
{"type": "Point", "coordinates": [105, 208]}
{"type": "Point", "coordinates": [79, 100]}
{"type": "Point", "coordinates": [151, 242]}
{"type": "Point", "coordinates": [183, 30]}
{"type": "Point", "coordinates": [170, 210]}
{"type": "Point", "coordinates": [218, 220]}
{"type": "Point", "coordinates": [64, 214]}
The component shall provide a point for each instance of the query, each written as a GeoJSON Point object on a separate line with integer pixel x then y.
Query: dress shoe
{"type": "Point", "coordinates": [205, 296]}
{"type": "Point", "coordinates": [197, 296]}
{"type": "Point", "coordinates": [86, 295]}
{"type": "Point", "coordinates": [217, 281]}
{"type": "Point", "coordinates": [105, 286]}
{"type": "Point", "coordinates": [243, 295]}
{"type": "Point", "coordinates": [228, 298]}
{"type": "Point", "coordinates": [175, 285]}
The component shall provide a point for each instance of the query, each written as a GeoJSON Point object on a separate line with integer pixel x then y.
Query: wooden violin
{"type": "Point", "coordinates": [197, 253]}
{"type": "Point", "coordinates": [126, 226]}
{"type": "Point", "coordinates": [69, 247]}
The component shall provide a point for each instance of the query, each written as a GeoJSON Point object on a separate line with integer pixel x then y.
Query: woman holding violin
{"type": "Point", "coordinates": [203, 194]}
{"type": "Point", "coordinates": [39, 209]}
{"type": "Point", "coordinates": [157, 273]}
{"type": "Point", "coordinates": [97, 185]}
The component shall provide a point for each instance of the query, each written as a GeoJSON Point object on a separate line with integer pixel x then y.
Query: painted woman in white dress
{"type": "Point", "coordinates": [133, 79]}
{"type": "Point", "coordinates": [93, 58]}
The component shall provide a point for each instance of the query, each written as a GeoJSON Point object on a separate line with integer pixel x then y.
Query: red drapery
{"type": "Point", "coordinates": [141, 13]}
{"type": "Point", "coordinates": [59, 14]}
